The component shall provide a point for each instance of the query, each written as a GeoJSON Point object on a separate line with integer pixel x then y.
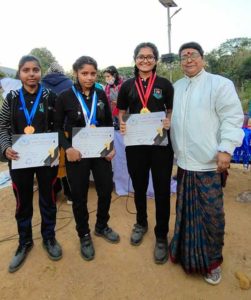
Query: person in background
{"type": "Point", "coordinates": [86, 105]}
{"type": "Point", "coordinates": [57, 81]}
{"type": "Point", "coordinates": [27, 110]}
{"type": "Point", "coordinates": [113, 84]}
{"type": "Point", "coordinates": [155, 94]}
{"type": "Point", "coordinates": [205, 129]}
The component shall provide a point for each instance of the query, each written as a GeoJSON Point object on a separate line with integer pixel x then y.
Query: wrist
{"type": "Point", "coordinates": [221, 151]}
{"type": "Point", "coordinates": [68, 149]}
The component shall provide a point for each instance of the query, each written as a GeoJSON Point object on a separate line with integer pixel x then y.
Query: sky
{"type": "Point", "coordinates": [109, 30]}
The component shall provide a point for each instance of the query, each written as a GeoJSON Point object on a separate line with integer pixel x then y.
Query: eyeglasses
{"type": "Point", "coordinates": [193, 56]}
{"type": "Point", "coordinates": [149, 58]}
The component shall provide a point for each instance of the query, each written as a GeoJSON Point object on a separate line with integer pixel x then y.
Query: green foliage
{"type": "Point", "coordinates": [245, 94]}
{"type": "Point", "coordinates": [229, 58]}
{"type": "Point", "coordinates": [172, 71]}
{"type": "Point", "coordinates": [1, 100]}
{"type": "Point", "coordinates": [45, 57]}
{"type": "Point", "coordinates": [100, 77]}
{"type": "Point", "coordinates": [233, 46]}
{"type": "Point", "coordinates": [233, 60]}
{"type": "Point", "coordinates": [126, 72]}
{"type": "Point", "coordinates": [2, 75]}
{"type": "Point", "coordinates": [245, 69]}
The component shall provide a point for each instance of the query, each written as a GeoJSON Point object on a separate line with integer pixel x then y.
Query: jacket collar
{"type": "Point", "coordinates": [196, 77]}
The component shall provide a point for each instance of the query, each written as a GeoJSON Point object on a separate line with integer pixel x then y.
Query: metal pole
{"type": "Point", "coordinates": [169, 40]}
{"type": "Point", "coordinates": [169, 28]}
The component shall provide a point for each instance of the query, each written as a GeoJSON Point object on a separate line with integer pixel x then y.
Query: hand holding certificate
{"type": "Point", "coordinates": [93, 141]}
{"type": "Point", "coordinates": [35, 150]}
{"type": "Point", "coordinates": [145, 129]}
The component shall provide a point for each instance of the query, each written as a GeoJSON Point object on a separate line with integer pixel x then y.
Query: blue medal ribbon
{"type": "Point", "coordinates": [90, 116]}
{"type": "Point", "coordinates": [29, 117]}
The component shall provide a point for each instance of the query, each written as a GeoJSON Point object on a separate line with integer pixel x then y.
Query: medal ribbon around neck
{"type": "Point", "coordinates": [144, 96]}
{"type": "Point", "coordinates": [90, 116]}
{"type": "Point", "coordinates": [29, 117]}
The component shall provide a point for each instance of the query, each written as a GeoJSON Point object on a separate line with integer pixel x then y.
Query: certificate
{"type": "Point", "coordinates": [93, 141]}
{"type": "Point", "coordinates": [35, 150]}
{"type": "Point", "coordinates": [145, 129]}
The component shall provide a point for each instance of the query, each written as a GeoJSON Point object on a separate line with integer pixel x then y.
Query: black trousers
{"type": "Point", "coordinates": [78, 174]}
{"type": "Point", "coordinates": [22, 181]}
{"type": "Point", "coordinates": [158, 159]}
{"type": "Point", "coordinates": [62, 183]}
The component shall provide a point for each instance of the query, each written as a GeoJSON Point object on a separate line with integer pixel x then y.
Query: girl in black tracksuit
{"type": "Point", "coordinates": [14, 121]}
{"type": "Point", "coordinates": [142, 159]}
{"type": "Point", "coordinates": [70, 107]}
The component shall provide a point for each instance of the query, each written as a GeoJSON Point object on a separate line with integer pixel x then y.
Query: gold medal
{"type": "Point", "coordinates": [29, 130]}
{"type": "Point", "coordinates": [144, 110]}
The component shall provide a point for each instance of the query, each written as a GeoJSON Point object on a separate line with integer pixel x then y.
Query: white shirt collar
{"type": "Point", "coordinates": [196, 77]}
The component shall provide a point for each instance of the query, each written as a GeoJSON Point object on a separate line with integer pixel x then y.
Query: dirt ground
{"type": "Point", "coordinates": [121, 271]}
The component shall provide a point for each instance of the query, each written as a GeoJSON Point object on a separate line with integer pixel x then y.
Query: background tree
{"type": "Point", "coordinates": [2, 75]}
{"type": "Point", "coordinates": [232, 46]}
{"type": "Point", "coordinates": [45, 57]}
{"type": "Point", "coordinates": [245, 69]}
{"type": "Point", "coordinates": [165, 69]}
{"type": "Point", "coordinates": [126, 72]}
{"type": "Point", "coordinates": [227, 60]}
{"type": "Point", "coordinates": [233, 60]}
{"type": "Point", "coordinates": [245, 77]}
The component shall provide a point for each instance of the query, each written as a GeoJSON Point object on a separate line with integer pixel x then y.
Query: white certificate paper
{"type": "Point", "coordinates": [93, 141]}
{"type": "Point", "coordinates": [145, 129]}
{"type": "Point", "coordinates": [35, 150]}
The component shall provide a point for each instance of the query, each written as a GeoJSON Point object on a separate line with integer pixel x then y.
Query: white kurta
{"type": "Point", "coordinates": [207, 117]}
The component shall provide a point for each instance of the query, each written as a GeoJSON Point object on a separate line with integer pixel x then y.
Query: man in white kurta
{"type": "Point", "coordinates": [205, 129]}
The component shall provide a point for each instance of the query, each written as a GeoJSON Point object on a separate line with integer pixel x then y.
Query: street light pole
{"type": "Point", "coordinates": [169, 25]}
{"type": "Point", "coordinates": [169, 57]}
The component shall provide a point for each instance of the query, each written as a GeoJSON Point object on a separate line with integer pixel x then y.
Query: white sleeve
{"type": "Point", "coordinates": [229, 110]}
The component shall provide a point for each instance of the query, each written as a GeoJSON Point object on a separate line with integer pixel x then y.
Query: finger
{"type": "Point", "coordinates": [221, 169]}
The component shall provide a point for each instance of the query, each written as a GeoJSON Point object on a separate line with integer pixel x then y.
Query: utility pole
{"type": "Point", "coordinates": [168, 58]}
